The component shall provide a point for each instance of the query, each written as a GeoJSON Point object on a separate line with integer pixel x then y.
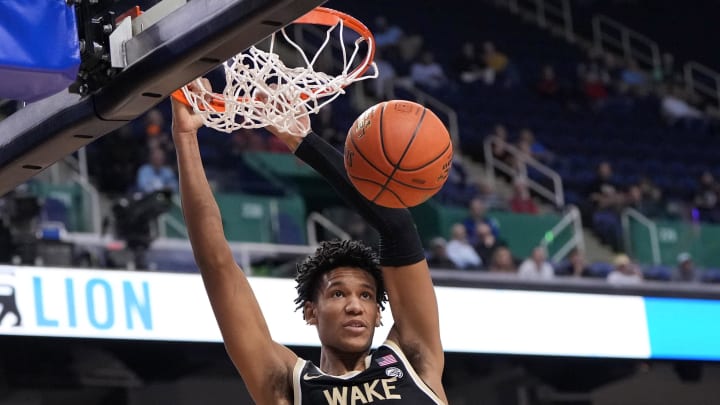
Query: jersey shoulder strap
{"type": "Point", "coordinates": [393, 348]}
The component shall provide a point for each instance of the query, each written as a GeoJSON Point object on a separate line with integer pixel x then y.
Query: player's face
{"type": "Point", "coordinates": [345, 312]}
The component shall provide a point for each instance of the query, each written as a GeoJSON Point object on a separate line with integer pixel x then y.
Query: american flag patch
{"type": "Point", "coordinates": [386, 360]}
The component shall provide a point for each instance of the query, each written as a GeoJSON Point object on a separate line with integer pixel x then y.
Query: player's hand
{"type": "Point", "coordinates": [184, 118]}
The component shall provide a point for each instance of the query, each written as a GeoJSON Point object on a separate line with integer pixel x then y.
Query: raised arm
{"type": "Point", "coordinates": [265, 366]}
{"type": "Point", "coordinates": [405, 270]}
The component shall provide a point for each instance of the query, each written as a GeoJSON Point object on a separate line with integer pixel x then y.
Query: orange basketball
{"type": "Point", "coordinates": [398, 154]}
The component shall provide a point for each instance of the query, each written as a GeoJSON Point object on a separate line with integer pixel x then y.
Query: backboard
{"type": "Point", "coordinates": [169, 51]}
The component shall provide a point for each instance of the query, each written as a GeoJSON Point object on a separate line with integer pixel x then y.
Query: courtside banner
{"type": "Point", "coordinates": [106, 304]}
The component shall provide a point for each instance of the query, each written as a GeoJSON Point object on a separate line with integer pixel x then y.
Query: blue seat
{"type": "Point", "coordinates": [711, 276]}
{"type": "Point", "coordinates": [600, 269]}
{"type": "Point", "coordinates": [658, 273]}
{"type": "Point", "coordinates": [55, 210]}
{"type": "Point", "coordinates": [289, 231]}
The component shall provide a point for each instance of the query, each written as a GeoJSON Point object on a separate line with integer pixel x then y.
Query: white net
{"type": "Point", "coordinates": [262, 91]}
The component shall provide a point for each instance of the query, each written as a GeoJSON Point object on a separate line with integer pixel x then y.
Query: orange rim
{"type": "Point", "coordinates": [329, 17]}
{"type": "Point", "coordinates": [318, 16]}
{"type": "Point", "coordinates": [217, 102]}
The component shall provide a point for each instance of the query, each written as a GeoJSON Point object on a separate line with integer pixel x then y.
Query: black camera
{"type": "Point", "coordinates": [135, 217]}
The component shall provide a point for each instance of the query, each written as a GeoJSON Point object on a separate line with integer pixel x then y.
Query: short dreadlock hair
{"type": "Point", "coordinates": [329, 256]}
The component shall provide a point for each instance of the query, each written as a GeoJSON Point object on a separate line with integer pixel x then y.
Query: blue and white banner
{"type": "Point", "coordinates": [54, 302]}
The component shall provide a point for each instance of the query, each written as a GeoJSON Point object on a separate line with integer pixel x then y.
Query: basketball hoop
{"type": "Point", "coordinates": [289, 93]}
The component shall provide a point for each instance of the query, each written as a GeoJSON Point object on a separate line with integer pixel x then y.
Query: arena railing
{"type": "Point", "coordinates": [702, 79]}
{"type": "Point", "coordinates": [631, 214]}
{"type": "Point", "coordinates": [316, 219]}
{"type": "Point", "coordinates": [168, 222]}
{"type": "Point", "coordinates": [555, 15]}
{"type": "Point", "coordinates": [612, 37]}
{"type": "Point", "coordinates": [572, 221]}
{"type": "Point", "coordinates": [556, 195]}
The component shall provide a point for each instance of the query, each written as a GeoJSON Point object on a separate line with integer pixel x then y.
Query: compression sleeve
{"type": "Point", "coordinates": [399, 240]}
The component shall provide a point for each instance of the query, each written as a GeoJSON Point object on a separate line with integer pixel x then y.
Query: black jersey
{"type": "Point", "coordinates": [388, 379]}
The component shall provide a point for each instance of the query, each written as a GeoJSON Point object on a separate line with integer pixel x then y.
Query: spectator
{"type": "Point", "coordinates": [574, 265]}
{"type": "Point", "coordinates": [547, 86]}
{"type": "Point", "coordinates": [652, 197]}
{"type": "Point", "coordinates": [529, 143]}
{"type": "Point", "coordinates": [634, 79]}
{"type": "Point", "coordinates": [521, 201]}
{"type": "Point", "coordinates": [469, 66]}
{"type": "Point", "coordinates": [438, 257]}
{"type": "Point", "coordinates": [427, 73]}
{"type": "Point", "coordinates": [675, 109]}
{"type": "Point", "coordinates": [460, 251]}
{"type": "Point", "coordinates": [494, 59]}
{"type": "Point", "coordinates": [536, 266]}
{"type": "Point", "coordinates": [643, 203]}
{"type": "Point", "coordinates": [394, 42]}
{"type": "Point", "coordinates": [502, 261]}
{"type": "Point", "coordinates": [498, 66]}
{"type": "Point", "coordinates": [599, 65]}
{"type": "Point", "coordinates": [706, 198]}
{"type": "Point", "coordinates": [387, 35]}
{"type": "Point", "coordinates": [685, 271]}
{"type": "Point", "coordinates": [492, 199]}
{"type": "Point", "coordinates": [603, 206]}
{"type": "Point", "coordinates": [625, 271]}
{"type": "Point", "coordinates": [487, 243]}
{"type": "Point", "coordinates": [500, 151]}
{"type": "Point", "coordinates": [156, 174]}
{"type": "Point", "coordinates": [596, 92]}
{"type": "Point", "coordinates": [154, 123]}
{"type": "Point", "coordinates": [477, 215]}
{"type": "Point", "coordinates": [156, 134]}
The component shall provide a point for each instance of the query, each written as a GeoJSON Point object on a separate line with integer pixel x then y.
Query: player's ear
{"type": "Point", "coordinates": [378, 320]}
{"type": "Point", "coordinates": [310, 313]}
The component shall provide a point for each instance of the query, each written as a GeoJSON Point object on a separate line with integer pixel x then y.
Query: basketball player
{"type": "Point", "coordinates": [341, 291]}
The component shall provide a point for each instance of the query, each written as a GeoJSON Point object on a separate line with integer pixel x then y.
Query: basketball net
{"type": "Point", "coordinates": [262, 91]}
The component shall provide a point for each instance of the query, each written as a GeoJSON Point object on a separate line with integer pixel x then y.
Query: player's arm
{"type": "Point", "coordinates": [405, 270]}
{"type": "Point", "coordinates": [262, 363]}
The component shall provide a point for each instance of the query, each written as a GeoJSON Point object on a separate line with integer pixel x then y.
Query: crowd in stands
{"type": "Point", "coordinates": [476, 245]}
{"type": "Point", "coordinates": [597, 84]}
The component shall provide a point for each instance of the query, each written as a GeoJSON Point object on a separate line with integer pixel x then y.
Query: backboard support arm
{"type": "Point", "coordinates": [187, 43]}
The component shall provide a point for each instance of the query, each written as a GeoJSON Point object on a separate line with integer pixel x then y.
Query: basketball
{"type": "Point", "coordinates": [398, 154]}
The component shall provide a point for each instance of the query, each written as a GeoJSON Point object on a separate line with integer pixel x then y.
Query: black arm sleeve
{"type": "Point", "coordinates": [399, 240]}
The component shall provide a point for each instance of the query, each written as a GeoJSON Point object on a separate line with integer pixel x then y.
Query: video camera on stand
{"type": "Point", "coordinates": [135, 219]}
{"type": "Point", "coordinates": [18, 222]}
